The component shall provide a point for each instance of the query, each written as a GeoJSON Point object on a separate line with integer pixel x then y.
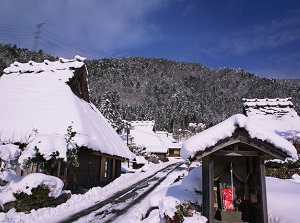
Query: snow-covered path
{"type": "Point", "coordinates": [115, 207]}
{"type": "Point", "coordinates": [283, 198]}
{"type": "Point", "coordinates": [80, 202]}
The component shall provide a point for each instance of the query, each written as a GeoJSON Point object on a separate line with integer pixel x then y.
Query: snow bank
{"type": "Point", "coordinates": [9, 152]}
{"type": "Point", "coordinates": [184, 191]}
{"type": "Point", "coordinates": [26, 183]}
{"type": "Point", "coordinates": [226, 128]}
{"type": "Point", "coordinates": [193, 181]}
{"type": "Point", "coordinates": [283, 199]}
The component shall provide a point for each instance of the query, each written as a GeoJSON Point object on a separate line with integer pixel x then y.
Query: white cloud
{"type": "Point", "coordinates": [105, 25]}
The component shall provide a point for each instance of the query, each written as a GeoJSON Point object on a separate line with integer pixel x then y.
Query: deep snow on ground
{"type": "Point", "coordinates": [283, 197]}
{"type": "Point", "coordinates": [79, 202]}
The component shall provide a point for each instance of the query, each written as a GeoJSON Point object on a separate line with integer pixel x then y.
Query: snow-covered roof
{"type": "Point", "coordinates": [140, 160]}
{"type": "Point", "coordinates": [144, 136]}
{"type": "Point", "coordinates": [277, 115]}
{"type": "Point", "coordinates": [37, 96]}
{"type": "Point", "coordinates": [168, 139]}
{"type": "Point", "coordinates": [225, 129]}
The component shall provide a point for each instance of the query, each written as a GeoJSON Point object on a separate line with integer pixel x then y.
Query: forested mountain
{"type": "Point", "coordinates": [11, 53]}
{"type": "Point", "coordinates": [169, 92]}
{"type": "Point", "coordinates": [176, 93]}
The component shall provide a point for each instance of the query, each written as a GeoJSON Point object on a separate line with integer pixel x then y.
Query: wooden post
{"type": "Point", "coordinates": [263, 191]}
{"type": "Point", "coordinates": [102, 167]}
{"type": "Point", "coordinates": [75, 178]}
{"type": "Point", "coordinates": [58, 169]}
{"type": "Point", "coordinates": [208, 187]}
{"type": "Point", "coordinates": [31, 168]}
{"type": "Point", "coordinates": [89, 164]}
{"type": "Point", "coordinates": [114, 166]}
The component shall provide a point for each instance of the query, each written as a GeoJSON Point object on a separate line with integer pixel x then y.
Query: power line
{"type": "Point", "coordinates": [54, 45]}
{"type": "Point", "coordinates": [72, 46]}
{"type": "Point", "coordinates": [50, 41]}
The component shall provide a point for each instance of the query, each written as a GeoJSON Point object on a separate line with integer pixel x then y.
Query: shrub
{"type": "Point", "coordinates": [183, 210]}
{"type": "Point", "coordinates": [31, 201]}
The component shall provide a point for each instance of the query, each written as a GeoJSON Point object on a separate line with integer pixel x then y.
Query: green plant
{"type": "Point", "coordinates": [48, 166]}
{"type": "Point", "coordinates": [72, 150]}
{"type": "Point", "coordinates": [237, 203]}
{"type": "Point", "coordinates": [38, 195]}
{"type": "Point", "coordinates": [186, 209]}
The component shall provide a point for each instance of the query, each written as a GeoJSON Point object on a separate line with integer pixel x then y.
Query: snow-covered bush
{"type": "Point", "coordinates": [38, 195]}
{"type": "Point", "coordinates": [182, 201]}
{"type": "Point", "coordinates": [173, 211]}
{"type": "Point", "coordinates": [8, 153]}
{"type": "Point", "coordinates": [284, 164]}
{"type": "Point", "coordinates": [30, 191]}
{"type": "Point", "coordinates": [168, 210]}
{"type": "Point", "coordinates": [46, 150]}
{"type": "Point", "coordinates": [152, 158]}
{"type": "Point", "coordinates": [27, 183]}
{"type": "Point", "coordinates": [138, 150]}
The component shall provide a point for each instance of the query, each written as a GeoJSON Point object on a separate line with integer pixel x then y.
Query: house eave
{"type": "Point", "coordinates": [230, 146]}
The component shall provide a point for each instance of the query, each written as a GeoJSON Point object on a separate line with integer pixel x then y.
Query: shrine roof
{"type": "Point", "coordinates": [210, 137]}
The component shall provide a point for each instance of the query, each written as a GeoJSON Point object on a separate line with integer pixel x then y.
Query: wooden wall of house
{"type": "Point", "coordinates": [95, 169]}
{"type": "Point", "coordinates": [174, 152]}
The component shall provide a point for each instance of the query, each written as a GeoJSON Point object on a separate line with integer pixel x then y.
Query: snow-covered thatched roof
{"type": "Point", "coordinates": [225, 129]}
{"type": "Point", "coordinates": [140, 160]}
{"type": "Point", "coordinates": [144, 136]}
{"type": "Point", "coordinates": [37, 96]}
{"type": "Point", "coordinates": [168, 140]}
{"type": "Point", "coordinates": [277, 115]}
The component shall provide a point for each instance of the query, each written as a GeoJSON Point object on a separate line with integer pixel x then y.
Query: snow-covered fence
{"type": "Point", "coordinates": [282, 173]}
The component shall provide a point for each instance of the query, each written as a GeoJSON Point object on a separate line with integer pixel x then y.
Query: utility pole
{"type": "Point", "coordinates": [37, 36]}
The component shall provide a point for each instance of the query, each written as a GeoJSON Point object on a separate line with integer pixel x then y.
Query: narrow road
{"type": "Point", "coordinates": [117, 205]}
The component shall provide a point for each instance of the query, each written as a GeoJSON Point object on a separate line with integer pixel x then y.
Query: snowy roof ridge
{"type": "Point", "coordinates": [278, 114]}
{"type": "Point", "coordinates": [270, 102]}
{"type": "Point", "coordinates": [211, 136]}
{"type": "Point", "coordinates": [34, 67]}
{"type": "Point", "coordinates": [143, 123]}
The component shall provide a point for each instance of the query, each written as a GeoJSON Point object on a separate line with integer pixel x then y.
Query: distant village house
{"type": "Point", "coordinates": [276, 114]}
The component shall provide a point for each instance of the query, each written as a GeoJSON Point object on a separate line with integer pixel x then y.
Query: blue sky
{"type": "Point", "coordinates": [259, 36]}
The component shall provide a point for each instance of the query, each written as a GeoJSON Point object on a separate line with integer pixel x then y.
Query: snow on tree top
{"type": "Point", "coordinates": [211, 136]}
{"type": "Point", "coordinates": [36, 97]}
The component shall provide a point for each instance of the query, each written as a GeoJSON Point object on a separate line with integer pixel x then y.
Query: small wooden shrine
{"type": "Point", "coordinates": [233, 174]}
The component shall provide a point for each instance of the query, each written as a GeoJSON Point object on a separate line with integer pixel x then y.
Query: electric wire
{"type": "Point", "coordinates": [48, 40]}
